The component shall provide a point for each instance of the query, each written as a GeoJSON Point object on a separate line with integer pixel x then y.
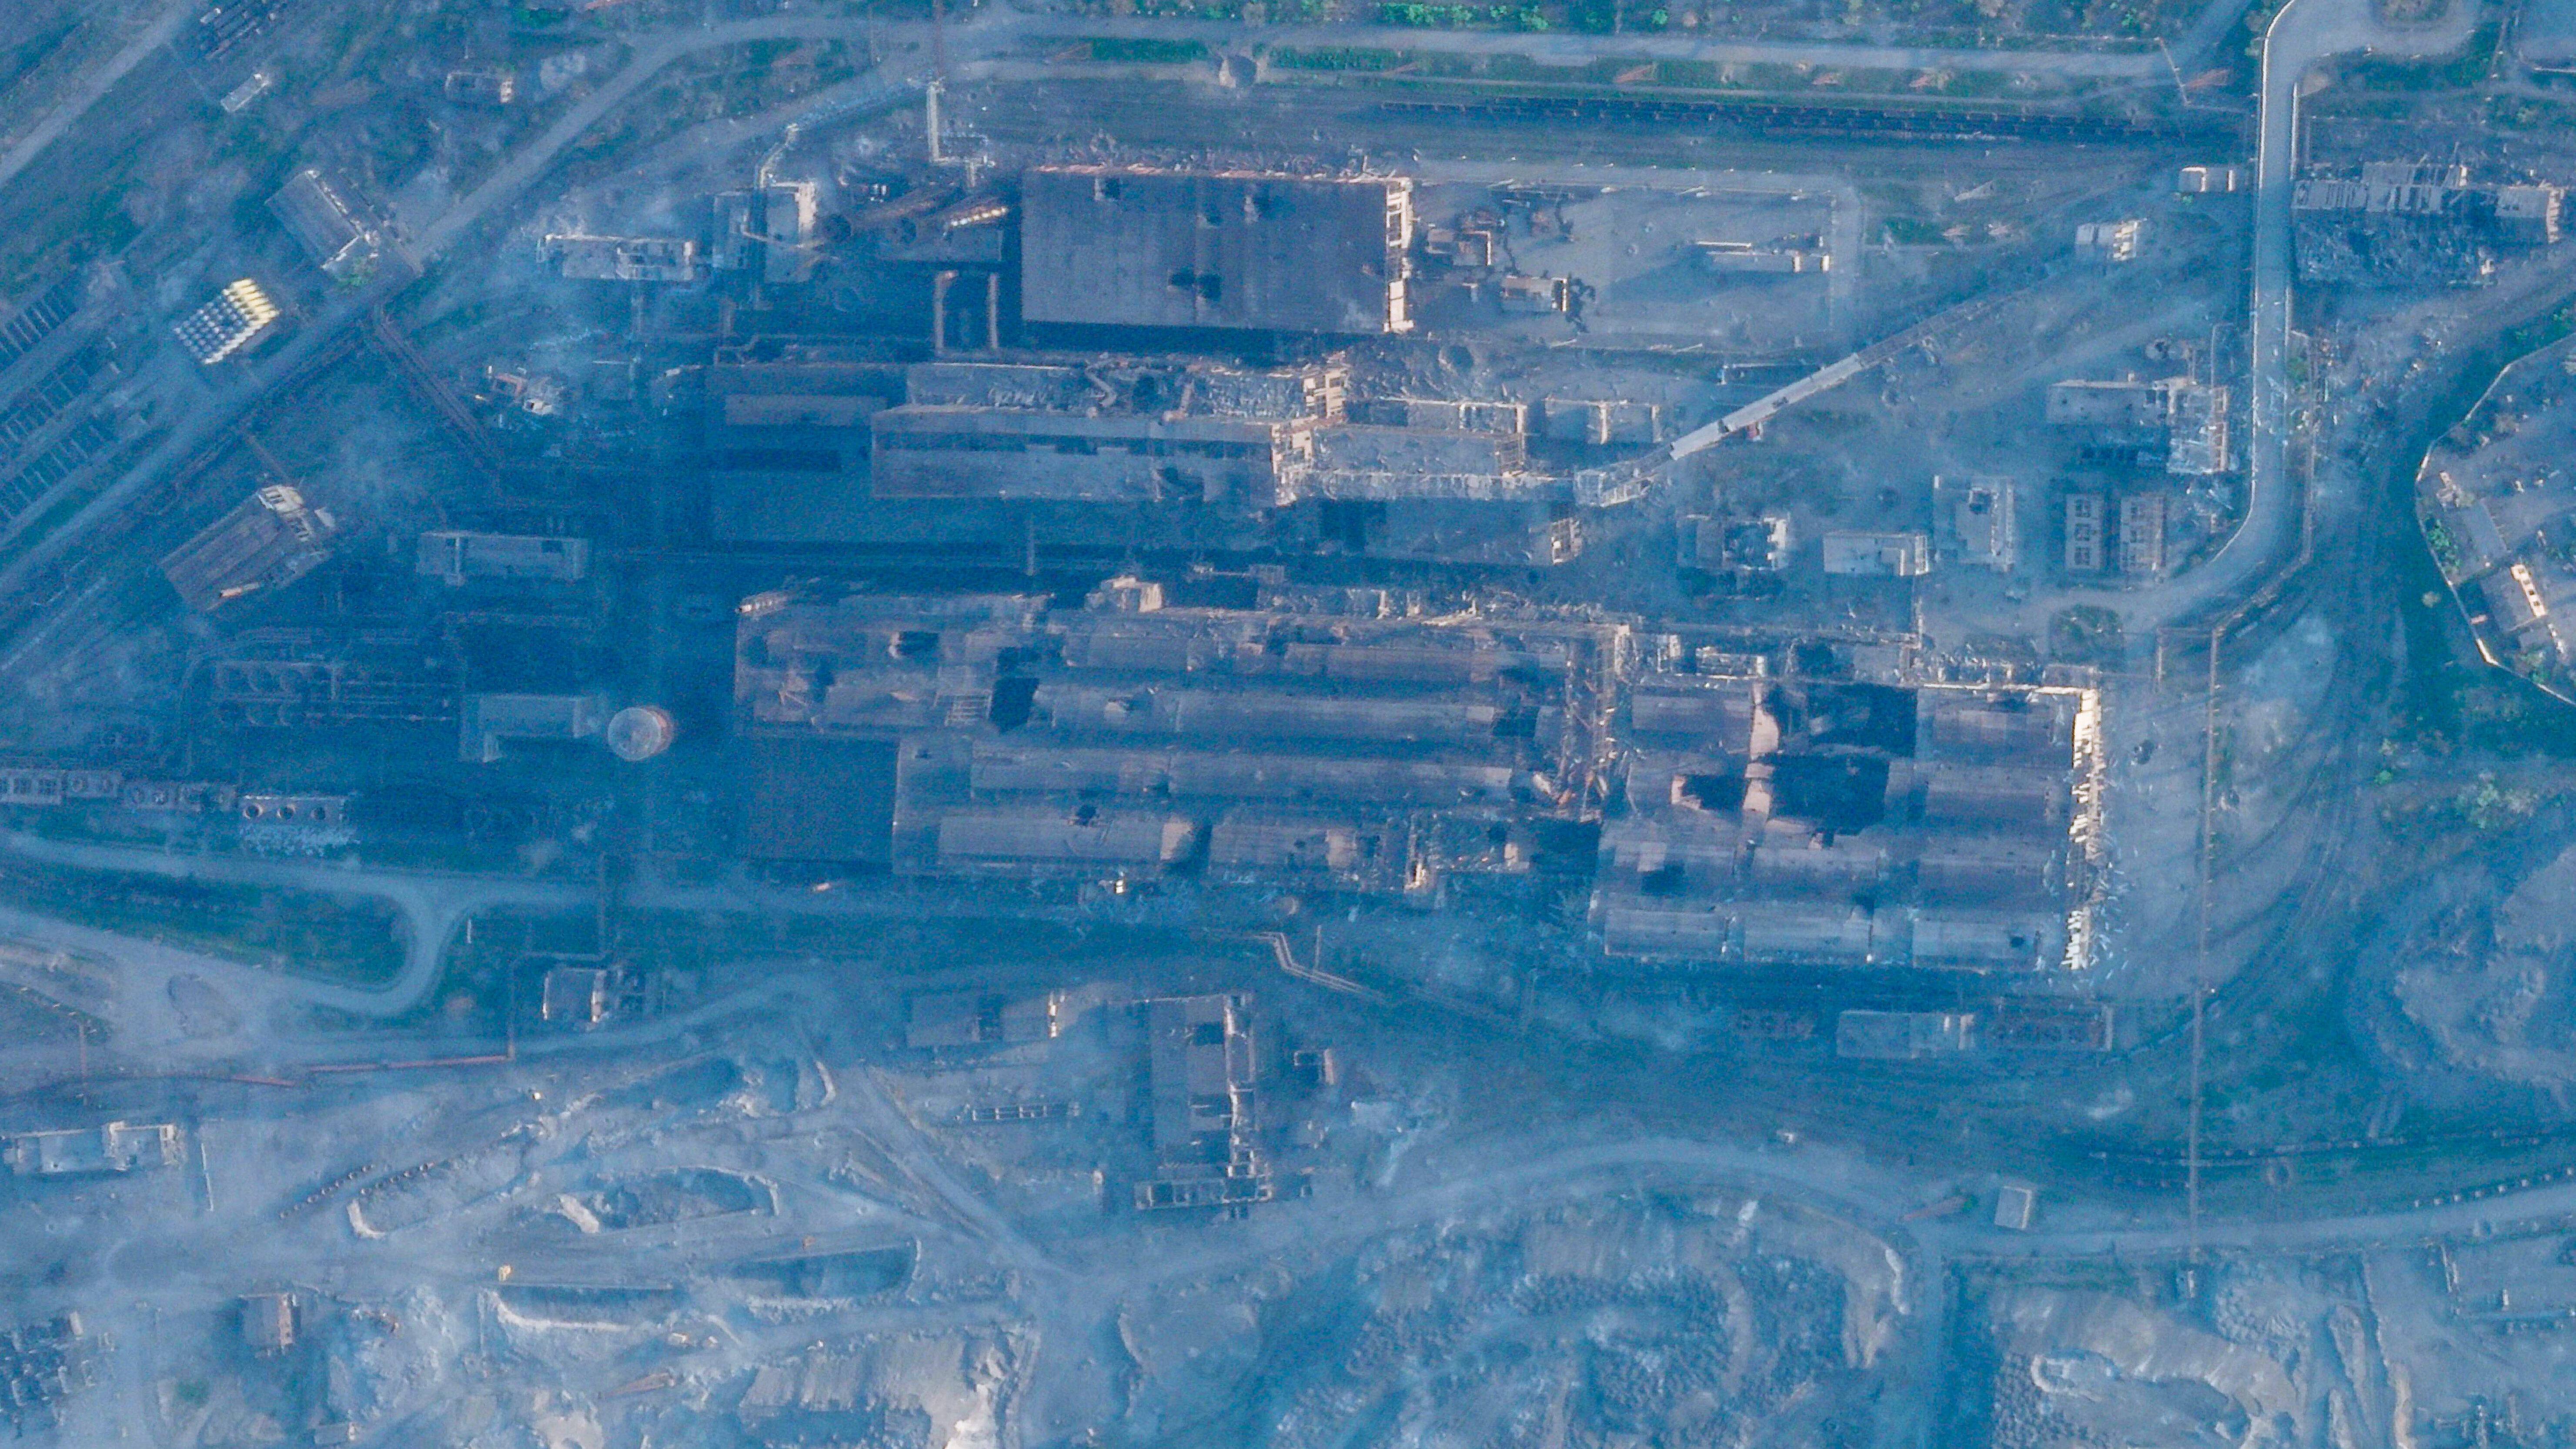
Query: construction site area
{"type": "Point", "coordinates": [1045, 724]}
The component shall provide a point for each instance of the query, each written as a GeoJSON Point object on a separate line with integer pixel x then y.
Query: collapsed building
{"type": "Point", "coordinates": [2401, 223]}
{"type": "Point", "coordinates": [1749, 819]}
{"type": "Point", "coordinates": [1137, 433]}
{"type": "Point", "coordinates": [1203, 1072]}
{"type": "Point", "coordinates": [770, 230]}
{"type": "Point", "coordinates": [1851, 824]}
{"type": "Point", "coordinates": [41, 1366]}
{"type": "Point", "coordinates": [797, 449]}
{"type": "Point", "coordinates": [1976, 521]}
{"type": "Point", "coordinates": [991, 734]}
{"type": "Point", "coordinates": [2187, 420]}
{"type": "Point", "coordinates": [584, 258]}
{"type": "Point", "coordinates": [115, 1147]}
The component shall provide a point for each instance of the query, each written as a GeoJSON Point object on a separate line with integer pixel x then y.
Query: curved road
{"type": "Point", "coordinates": [2303, 34]}
{"type": "Point", "coordinates": [431, 903]}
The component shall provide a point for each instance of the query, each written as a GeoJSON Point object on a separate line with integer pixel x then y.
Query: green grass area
{"type": "Point", "coordinates": [2475, 62]}
{"type": "Point", "coordinates": [2085, 634]}
{"type": "Point", "coordinates": [1465, 17]}
{"type": "Point", "coordinates": [2523, 113]}
{"type": "Point", "coordinates": [26, 55]}
{"type": "Point", "coordinates": [1146, 52]}
{"type": "Point", "coordinates": [1337, 57]}
{"type": "Point", "coordinates": [358, 942]}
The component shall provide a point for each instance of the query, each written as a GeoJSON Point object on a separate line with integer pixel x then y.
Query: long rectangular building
{"type": "Point", "coordinates": [1365, 754]}
{"type": "Point", "coordinates": [966, 452]}
{"type": "Point", "coordinates": [1125, 246]}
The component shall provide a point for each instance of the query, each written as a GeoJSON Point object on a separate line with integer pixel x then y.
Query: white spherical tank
{"type": "Point", "coordinates": [639, 732]}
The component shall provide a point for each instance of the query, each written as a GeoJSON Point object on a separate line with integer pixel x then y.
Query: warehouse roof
{"type": "Point", "coordinates": [1122, 246]}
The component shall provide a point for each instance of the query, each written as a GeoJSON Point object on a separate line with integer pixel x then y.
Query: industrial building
{"type": "Point", "coordinates": [459, 558]}
{"type": "Point", "coordinates": [1123, 246]}
{"type": "Point", "coordinates": [2189, 419]}
{"type": "Point", "coordinates": [2413, 223]}
{"type": "Point", "coordinates": [1976, 521]}
{"type": "Point", "coordinates": [1067, 457]}
{"type": "Point", "coordinates": [318, 215]}
{"type": "Point", "coordinates": [624, 258]}
{"type": "Point", "coordinates": [1746, 259]}
{"type": "Point", "coordinates": [2087, 540]}
{"type": "Point", "coordinates": [982, 1018]}
{"type": "Point", "coordinates": [1904, 1035]}
{"type": "Point", "coordinates": [1603, 422]}
{"type": "Point", "coordinates": [2111, 241]}
{"type": "Point", "coordinates": [1752, 819]}
{"type": "Point", "coordinates": [787, 444]}
{"type": "Point", "coordinates": [268, 1322]}
{"type": "Point", "coordinates": [992, 734]}
{"type": "Point", "coordinates": [489, 723]}
{"type": "Point", "coordinates": [268, 541]}
{"type": "Point", "coordinates": [113, 1147]}
{"type": "Point", "coordinates": [1754, 545]}
{"type": "Point", "coordinates": [1878, 555]}
{"type": "Point", "coordinates": [49, 785]}
{"type": "Point", "coordinates": [770, 229]}
{"type": "Point", "coordinates": [239, 316]}
{"type": "Point", "coordinates": [1103, 433]}
{"type": "Point", "coordinates": [2142, 535]}
{"type": "Point", "coordinates": [798, 448]}
{"type": "Point", "coordinates": [1851, 824]}
{"type": "Point", "coordinates": [1203, 1072]}
{"type": "Point", "coordinates": [312, 679]}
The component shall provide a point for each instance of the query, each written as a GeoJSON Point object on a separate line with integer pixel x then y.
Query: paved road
{"type": "Point", "coordinates": [2304, 33]}
{"type": "Point", "coordinates": [1570, 49]}
{"type": "Point", "coordinates": [651, 58]}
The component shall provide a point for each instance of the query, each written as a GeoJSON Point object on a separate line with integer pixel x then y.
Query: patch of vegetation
{"type": "Point", "coordinates": [1914, 231]}
{"type": "Point", "coordinates": [29, 54]}
{"type": "Point", "coordinates": [2489, 807]}
{"type": "Point", "coordinates": [2523, 113]}
{"type": "Point", "coordinates": [2446, 549]}
{"type": "Point", "coordinates": [2087, 634]}
{"type": "Point", "coordinates": [2475, 62]}
{"type": "Point", "coordinates": [1338, 57]}
{"type": "Point", "coordinates": [1464, 17]}
{"type": "Point", "coordinates": [307, 933]}
{"type": "Point", "coordinates": [1147, 52]}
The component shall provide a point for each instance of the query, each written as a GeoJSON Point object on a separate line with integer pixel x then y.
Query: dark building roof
{"type": "Point", "coordinates": [822, 801]}
{"type": "Point", "coordinates": [1127, 247]}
